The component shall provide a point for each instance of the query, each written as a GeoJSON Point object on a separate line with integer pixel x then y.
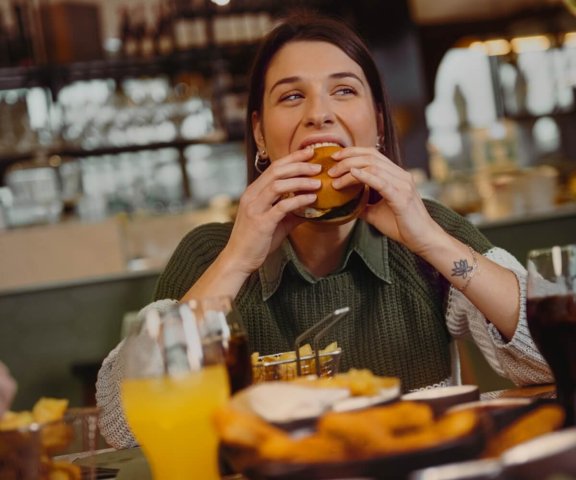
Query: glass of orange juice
{"type": "Point", "coordinates": [175, 377]}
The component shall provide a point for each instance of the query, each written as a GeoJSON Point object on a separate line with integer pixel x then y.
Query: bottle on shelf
{"type": "Point", "coordinates": [138, 28]}
{"type": "Point", "coordinates": [148, 41]}
{"type": "Point", "coordinates": [129, 46]}
{"type": "Point", "coordinates": [4, 43]}
{"type": "Point", "coordinates": [165, 30]}
{"type": "Point", "coordinates": [24, 52]}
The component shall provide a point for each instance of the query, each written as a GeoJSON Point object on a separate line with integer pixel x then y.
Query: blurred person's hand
{"type": "Point", "coordinates": [7, 389]}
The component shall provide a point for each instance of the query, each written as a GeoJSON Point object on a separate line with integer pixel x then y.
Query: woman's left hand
{"type": "Point", "coordinates": [400, 214]}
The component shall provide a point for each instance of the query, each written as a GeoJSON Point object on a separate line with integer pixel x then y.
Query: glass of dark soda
{"type": "Point", "coordinates": [220, 316]}
{"type": "Point", "coordinates": [551, 312]}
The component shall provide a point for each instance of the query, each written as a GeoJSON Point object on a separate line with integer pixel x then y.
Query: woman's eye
{"type": "Point", "coordinates": [290, 97]}
{"type": "Point", "coordinates": [345, 91]}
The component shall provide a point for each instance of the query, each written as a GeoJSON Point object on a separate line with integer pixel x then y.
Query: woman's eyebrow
{"type": "Point", "coordinates": [295, 78]}
{"type": "Point", "coordinates": [284, 81]}
{"type": "Point", "coordinates": [346, 75]}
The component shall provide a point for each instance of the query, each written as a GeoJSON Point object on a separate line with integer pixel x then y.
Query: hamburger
{"type": "Point", "coordinates": [331, 205]}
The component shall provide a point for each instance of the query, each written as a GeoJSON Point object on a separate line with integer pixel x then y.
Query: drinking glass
{"type": "Point", "coordinates": [219, 318]}
{"type": "Point", "coordinates": [551, 311]}
{"type": "Point", "coordinates": [175, 378]}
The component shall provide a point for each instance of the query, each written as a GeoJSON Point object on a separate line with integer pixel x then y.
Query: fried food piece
{"type": "Point", "coordinates": [358, 433]}
{"type": "Point", "coordinates": [45, 410]}
{"type": "Point", "coordinates": [311, 449]}
{"type": "Point", "coordinates": [14, 420]}
{"type": "Point", "coordinates": [402, 416]}
{"type": "Point", "coordinates": [49, 409]}
{"type": "Point", "coordinates": [64, 471]}
{"type": "Point", "coordinates": [56, 436]}
{"type": "Point", "coordinates": [453, 425]}
{"type": "Point", "coordinates": [244, 429]}
{"type": "Point", "coordinates": [360, 382]}
{"type": "Point", "coordinates": [400, 427]}
{"type": "Point", "coordinates": [539, 421]}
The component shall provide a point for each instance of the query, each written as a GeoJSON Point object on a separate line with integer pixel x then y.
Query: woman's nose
{"type": "Point", "coordinates": [318, 113]}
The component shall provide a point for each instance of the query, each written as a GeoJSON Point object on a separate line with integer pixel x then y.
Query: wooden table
{"type": "Point", "coordinates": [534, 391]}
{"type": "Point", "coordinates": [130, 464]}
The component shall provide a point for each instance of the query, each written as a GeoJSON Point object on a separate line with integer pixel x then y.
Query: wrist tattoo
{"type": "Point", "coordinates": [463, 269]}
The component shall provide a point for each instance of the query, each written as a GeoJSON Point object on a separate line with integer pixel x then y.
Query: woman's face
{"type": "Point", "coordinates": [314, 93]}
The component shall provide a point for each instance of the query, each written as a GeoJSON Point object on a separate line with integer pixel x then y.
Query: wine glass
{"type": "Point", "coordinates": [219, 318]}
{"type": "Point", "coordinates": [175, 378]}
{"type": "Point", "coordinates": [551, 312]}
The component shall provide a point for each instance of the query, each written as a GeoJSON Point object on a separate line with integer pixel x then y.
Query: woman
{"type": "Point", "coordinates": [413, 273]}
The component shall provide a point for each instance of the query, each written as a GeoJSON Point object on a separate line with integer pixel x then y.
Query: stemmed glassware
{"type": "Point", "coordinates": [551, 312]}
{"type": "Point", "coordinates": [175, 378]}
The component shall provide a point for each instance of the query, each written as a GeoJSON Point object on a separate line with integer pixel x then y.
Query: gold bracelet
{"type": "Point", "coordinates": [475, 268]}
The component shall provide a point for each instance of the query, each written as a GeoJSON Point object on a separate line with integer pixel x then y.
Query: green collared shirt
{"type": "Point", "coordinates": [368, 244]}
{"type": "Point", "coordinates": [396, 323]}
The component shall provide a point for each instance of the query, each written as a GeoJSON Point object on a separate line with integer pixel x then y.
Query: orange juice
{"type": "Point", "coordinates": [171, 419]}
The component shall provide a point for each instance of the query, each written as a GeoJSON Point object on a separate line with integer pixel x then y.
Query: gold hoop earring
{"type": "Point", "coordinates": [261, 162]}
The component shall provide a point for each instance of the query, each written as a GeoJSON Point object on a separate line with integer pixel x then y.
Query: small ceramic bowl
{"type": "Point", "coordinates": [471, 470]}
{"type": "Point", "coordinates": [442, 398]}
{"type": "Point", "coordinates": [550, 455]}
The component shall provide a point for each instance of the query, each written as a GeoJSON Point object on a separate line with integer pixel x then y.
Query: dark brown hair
{"type": "Point", "coordinates": [311, 27]}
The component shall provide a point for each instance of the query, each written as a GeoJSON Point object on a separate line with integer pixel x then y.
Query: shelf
{"type": "Point", "coordinates": [529, 118]}
{"type": "Point", "coordinates": [202, 60]}
{"type": "Point", "coordinates": [78, 152]}
{"type": "Point", "coordinates": [210, 9]}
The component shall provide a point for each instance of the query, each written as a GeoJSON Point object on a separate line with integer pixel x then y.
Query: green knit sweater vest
{"type": "Point", "coordinates": [395, 328]}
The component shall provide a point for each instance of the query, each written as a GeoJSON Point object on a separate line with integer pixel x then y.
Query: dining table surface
{"type": "Point", "coordinates": [130, 464]}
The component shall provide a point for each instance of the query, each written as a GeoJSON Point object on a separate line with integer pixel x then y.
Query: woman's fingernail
{"type": "Point", "coordinates": [331, 171]}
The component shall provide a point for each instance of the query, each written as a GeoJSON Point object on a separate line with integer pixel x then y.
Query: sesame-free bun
{"type": "Point", "coordinates": [331, 205]}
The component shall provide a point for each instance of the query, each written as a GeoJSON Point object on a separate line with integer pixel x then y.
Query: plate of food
{"type": "Point", "coordinates": [298, 403]}
{"type": "Point", "coordinates": [29, 440]}
{"type": "Point", "coordinates": [387, 441]}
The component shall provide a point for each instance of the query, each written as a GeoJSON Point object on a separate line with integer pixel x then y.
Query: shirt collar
{"type": "Point", "coordinates": [366, 242]}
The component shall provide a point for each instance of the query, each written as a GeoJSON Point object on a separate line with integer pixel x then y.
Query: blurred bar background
{"type": "Point", "coordinates": [122, 128]}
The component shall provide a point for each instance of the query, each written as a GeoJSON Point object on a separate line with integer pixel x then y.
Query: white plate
{"type": "Point", "coordinates": [284, 402]}
{"type": "Point", "coordinates": [442, 398]}
{"type": "Point", "coordinates": [549, 454]}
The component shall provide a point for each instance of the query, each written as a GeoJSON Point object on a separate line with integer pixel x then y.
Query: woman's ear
{"type": "Point", "coordinates": [380, 125]}
{"type": "Point", "coordinates": [257, 131]}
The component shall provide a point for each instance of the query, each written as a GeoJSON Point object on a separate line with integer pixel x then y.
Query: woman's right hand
{"type": "Point", "coordinates": [264, 215]}
{"type": "Point", "coordinates": [263, 221]}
